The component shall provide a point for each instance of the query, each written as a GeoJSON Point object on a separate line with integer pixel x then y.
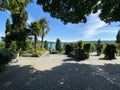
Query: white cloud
{"type": "Point", "coordinates": [92, 26]}
{"type": "Point", "coordinates": [109, 30]}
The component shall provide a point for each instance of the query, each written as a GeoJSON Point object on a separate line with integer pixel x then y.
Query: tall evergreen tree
{"type": "Point", "coordinates": [8, 27]}
{"type": "Point", "coordinates": [118, 37]}
{"type": "Point", "coordinates": [58, 45]}
{"type": "Point", "coordinates": [118, 40]}
{"type": "Point", "coordinates": [99, 47]}
{"type": "Point", "coordinates": [7, 32]}
{"type": "Point", "coordinates": [46, 45]}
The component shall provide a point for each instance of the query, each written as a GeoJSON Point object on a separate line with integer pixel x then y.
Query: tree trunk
{"type": "Point", "coordinates": [119, 52]}
{"type": "Point", "coordinates": [35, 43]}
{"type": "Point", "coordinates": [42, 43]}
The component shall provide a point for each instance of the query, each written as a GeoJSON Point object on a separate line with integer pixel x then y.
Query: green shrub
{"type": "Point", "coordinates": [5, 57]}
{"type": "Point", "coordinates": [87, 47]}
{"type": "Point", "coordinates": [110, 51]}
{"type": "Point", "coordinates": [2, 45]}
{"type": "Point", "coordinates": [68, 49]}
{"type": "Point", "coordinates": [80, 44]}
{"type": "Point", "coordinates": [93, 47]}
{"type": "Point", "coordinates": [81, 55]}
{"type": "Point", "coordinates": [38, 53]}
{"type": "Point", "coordinates": [99, 47]}
{"type": "Point", "coordinates": [55, 52]}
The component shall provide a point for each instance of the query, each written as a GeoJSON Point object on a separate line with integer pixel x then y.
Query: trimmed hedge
{"type": "Point", "coordinates": [110, 51]}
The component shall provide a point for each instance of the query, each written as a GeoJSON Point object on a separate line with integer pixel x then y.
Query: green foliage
{"type": "Point", "coordinates": [5, 58]}
{"type": "Point", "coordinates": [99, 47]}
{"type": "Point", "coordinates": [118, 48]}
{"type": "Point", "coordinates": [83, 49]}
{"type": "Point", "coordinates": [13, 46]}
{"type": "Point", "coordinates": [2, 44]}
{"type": "Point", "coordinates": [80, 44]}
{"type": "Point", "coordinates": [68, 48]}
{"type": "Point", "coordinates": [46, 45]}
{"type": "Point", "coordinates": [35, 54]}
{"type": "Point", "coordinates": [8, 27]}
{"type": "Point", "coordinates": [17, 30]}
{"type": "Point", "coordinates": [18, 36]}
{"type": "Point", "coordinates": [44, 29]}
{"type": "Point", "coordinates": [87, 47]}
{"type": "Point", "coordinates": [93, 47]}
{"type": "Point", "coordinates": [38, 53]}
{"type": "Point", "coordinates": [81, 54]}
{"type": "Point", "coordinates": [110, 51]}
{"type": "Point", "coordinates": [35, 27]}
{"type": "Point", "coordinates": [50, 48]}
{"type": "Point", "coordinates": [58, 45]}
{"type": "Point", "coordinates": [76, 11]}
{"type": "Point", "coordinates": [68, 11]}
{"type": "Point", "coordinates": [118, 41]}
{"type": "Point", "coordinates": [31, 50]}
{"type": "Point", "coordinates": [55, 52]}
{"type": "Point", "coordinates": [118, 37]}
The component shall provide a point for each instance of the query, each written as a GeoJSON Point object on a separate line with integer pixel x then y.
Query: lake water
{"type": "Point", "coordinates": [53, 45]}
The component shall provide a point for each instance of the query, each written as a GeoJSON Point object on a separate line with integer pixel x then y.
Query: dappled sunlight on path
{"type": "Point", "coordinates": [59, 72]}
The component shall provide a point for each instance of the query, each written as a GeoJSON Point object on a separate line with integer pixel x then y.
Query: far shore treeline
{"type": "Point", "coordinates": [93, 42]}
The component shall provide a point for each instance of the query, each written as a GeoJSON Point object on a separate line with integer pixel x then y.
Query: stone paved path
{"type": "Point", "coordinates": [58, 72]}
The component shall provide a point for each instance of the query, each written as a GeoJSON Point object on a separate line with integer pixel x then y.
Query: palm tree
{"type": "Point", "coordinates": [35, 29]}
{"type": "Point", "coordinates": [45, 29]}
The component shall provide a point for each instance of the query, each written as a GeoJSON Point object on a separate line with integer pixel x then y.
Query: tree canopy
{"type": "Point", "coordinates": [17, 29]}
{"type": "Point", "coordinates": [75, 11]}
{"type": "Point", "coordinates": [44, 29]}
{"type": "Point", "coordinates": [35, 28]}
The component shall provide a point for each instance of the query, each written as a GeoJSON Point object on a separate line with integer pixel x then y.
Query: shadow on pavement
{"type": "Point", "coordinates": [68, 76]}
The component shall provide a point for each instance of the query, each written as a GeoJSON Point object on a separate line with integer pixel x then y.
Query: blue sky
{"type": "Point", "coordinates": [94, 29]}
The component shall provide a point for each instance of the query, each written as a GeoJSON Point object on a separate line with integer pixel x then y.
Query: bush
{"type": "Point", "coordinates": [81, 55]}
{"type": "Point", "coordinates": [110, 51]}
{"type": "Point", "coordinates": [2, 45]}
{"type": "Point", "coordinates": [68, 49]}
{"type": "Point", "coordinates": [80, 44]}
{"type": "Point", "coordinates": [55, 52]}
{"type": "Point", "coordinates": [38, 53]}
{"type": "Point", "coordinates": [87, 48]}
{"type": "Point", "coordinates": [5, 57]}
{"type": "Point", "coordinates": [99, 47]}
{"type": "Point", "coordinates": [93, 47]}
{"type": "Point", "coordinates": [35, 55]}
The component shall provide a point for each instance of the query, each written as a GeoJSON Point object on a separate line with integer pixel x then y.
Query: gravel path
{"type": "Point", "coordinates": [58, 72]}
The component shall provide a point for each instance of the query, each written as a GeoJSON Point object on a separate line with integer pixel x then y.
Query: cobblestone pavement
{"type": "Point", "coordinates": [58, 72]}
